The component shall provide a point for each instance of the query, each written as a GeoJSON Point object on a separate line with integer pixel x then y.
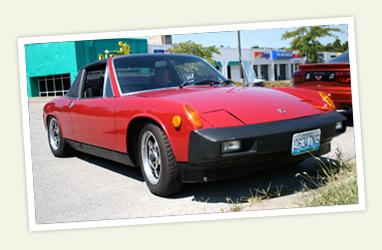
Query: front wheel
{"type": "Point", "coordinates": [158, 164]}
{"type": "Point", "coordinates": [58, 145]}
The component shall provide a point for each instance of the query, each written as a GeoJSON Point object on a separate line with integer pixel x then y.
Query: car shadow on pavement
{"type": "Point", "coordinates": [275, 182]}
{"type": "Point", "coordinates": [116, 167]}
{"type": "Point", "coordinates": [270, 183]}
{"type": "Point", "coordinates": [349, 116]}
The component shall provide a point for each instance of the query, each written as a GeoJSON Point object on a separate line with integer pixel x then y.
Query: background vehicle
{"type": "Point", "coordinates": [181, 121]}
{"type": "Point", "coordinates": [332, 77]}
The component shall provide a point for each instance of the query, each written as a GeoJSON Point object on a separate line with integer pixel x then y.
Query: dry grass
{"type": "Point", "coordinates": [336, 184]}
{"type": "Point", "coordinates": [278, 84]}
{"type": "Point", "coordinates": [271, 84]}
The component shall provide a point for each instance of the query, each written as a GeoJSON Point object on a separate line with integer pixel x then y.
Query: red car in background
{"type": "Point", "coordinates": [332, 77]}
{"type": "Point", "coordinates": [180, 120]}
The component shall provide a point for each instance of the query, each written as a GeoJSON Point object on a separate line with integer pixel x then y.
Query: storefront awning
{"type": "Point", "coordinates": [233, 63]}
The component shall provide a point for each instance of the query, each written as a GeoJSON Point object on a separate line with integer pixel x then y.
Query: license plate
{"type": "Point", "coordinates": [306, 141]}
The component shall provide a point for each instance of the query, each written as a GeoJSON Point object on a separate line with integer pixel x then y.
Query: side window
{"type": "Point", "coordinates": [108, 91]}
{"type": "Point", "coordinates": [94, 81]}
{"type": "Point", "coordinates": [74, 89]}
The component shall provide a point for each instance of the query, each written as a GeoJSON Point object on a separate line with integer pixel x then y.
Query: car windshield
{"type": "Point", "coordinates": [343, 58]}
{"type": "Point", "coordinates": [145, 72]}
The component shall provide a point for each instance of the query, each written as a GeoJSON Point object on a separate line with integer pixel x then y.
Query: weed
{"type": "Point", "coordinates": [336, 182]}
{"type": "Point", "coordinates": [236, 206]}
{"type": "Point", "coordinates": [254, 199]}
{"type": "Point", "coordinates": [264, 194]}
{"type": "Point", "coordinates": [279, 190]}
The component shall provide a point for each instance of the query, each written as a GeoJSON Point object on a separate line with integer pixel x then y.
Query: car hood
{"type": "Point", "coordinates": [248, 105]}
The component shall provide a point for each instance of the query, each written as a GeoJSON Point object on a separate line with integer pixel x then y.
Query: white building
{"type": "Point", "coordinates": [326, 56]}
{"type": "Point", "coordinates": [270, 65]}
{"type": "Point", "coordinates": [167, 39]}
{"type": "Point", "coordinates": [158, 48]}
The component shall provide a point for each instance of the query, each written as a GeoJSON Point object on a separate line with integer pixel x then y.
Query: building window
{"type": "Point", "coordinates": [264, 72]}
{"type": "Point", "coordinates": [275, 72]}
{"type": "Point", "coordinates": [54, 85]}
{"type": "Point", "coordinates": [282, 75]}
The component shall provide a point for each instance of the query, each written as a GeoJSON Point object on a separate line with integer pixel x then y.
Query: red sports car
{"type": "Point", "coordinates": [181, 121]}
{"type": "Point", "coordinates": [332, 77]}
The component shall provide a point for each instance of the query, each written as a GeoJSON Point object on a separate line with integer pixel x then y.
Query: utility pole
{"type": "Point", "coordinates": [239, 46]}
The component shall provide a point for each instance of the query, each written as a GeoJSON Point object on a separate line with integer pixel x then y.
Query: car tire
{"type": "Point", "coordinates": [57, 143]}
{"type": "Point", "coordinates": [158, 164]}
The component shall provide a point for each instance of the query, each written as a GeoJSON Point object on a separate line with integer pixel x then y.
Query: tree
{"type": "Point", "coordinates": [336, 46]}
{"type": "Point", "coordinates": [192, 48]}
{"type": "Point", "coordinates": [345, 46]}
{"type": "Point", "coordinates": [306, 40]}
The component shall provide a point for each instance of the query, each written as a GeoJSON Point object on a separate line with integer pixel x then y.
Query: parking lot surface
{"type": "Point", "coordinates": [88, 188]}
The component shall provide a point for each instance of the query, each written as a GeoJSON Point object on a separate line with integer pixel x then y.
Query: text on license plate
{"type": "Point", "coordinates": [306, 141]}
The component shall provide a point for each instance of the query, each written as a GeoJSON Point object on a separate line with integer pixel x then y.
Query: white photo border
{"type": "Point", "coordinates": [178, 31]}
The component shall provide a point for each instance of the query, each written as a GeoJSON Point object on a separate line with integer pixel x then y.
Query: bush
{"type": "Point", "coordinates": [278, 84]}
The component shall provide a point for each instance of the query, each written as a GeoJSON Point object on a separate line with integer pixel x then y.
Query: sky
{"type": "Point", "coordinates": [270, 38]}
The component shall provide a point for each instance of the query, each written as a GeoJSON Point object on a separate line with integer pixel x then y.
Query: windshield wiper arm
{"type": "Point", "coordinates": [227, 82]}
{"type": "Point", "coordinates": [211, 82]}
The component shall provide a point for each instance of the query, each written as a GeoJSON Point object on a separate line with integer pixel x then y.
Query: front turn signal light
{"type": "Point", "coordinates": [177, 121]}
{"type": "Point", "coordinates": [192, 115]}
{"type": "Point", "coordinates": [327, 100]}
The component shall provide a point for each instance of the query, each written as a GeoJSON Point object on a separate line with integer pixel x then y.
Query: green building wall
{"type": "Point", "coordinates": [68, 57]}
{"type": "Point", "coordinates": [49, 59]}
{"type": "Point", "coordinates": [88, 51]}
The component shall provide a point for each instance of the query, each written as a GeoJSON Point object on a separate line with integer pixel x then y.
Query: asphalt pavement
{"type": "Point", "coordinates": [88, 188]}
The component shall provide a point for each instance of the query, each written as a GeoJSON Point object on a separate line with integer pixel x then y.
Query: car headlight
{"type": "Point", "coordinates": [231, 146]}
{"type": "Point", "coordinates": [339, 126]}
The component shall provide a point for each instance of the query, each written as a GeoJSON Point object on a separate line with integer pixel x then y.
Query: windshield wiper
{"type": "Point", "coordinates": [227, 82]}
{"type": "Point", "coordinates": [210, 82]}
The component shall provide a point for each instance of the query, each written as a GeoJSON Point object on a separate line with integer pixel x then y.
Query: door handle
{"type": "Point", "coordinates": [71, 104]}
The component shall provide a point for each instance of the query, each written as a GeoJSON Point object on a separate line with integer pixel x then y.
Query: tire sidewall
{"type": "Point", "coordinates": [160, 186]}
{"type": "Point", "coordinates": [60, 151]}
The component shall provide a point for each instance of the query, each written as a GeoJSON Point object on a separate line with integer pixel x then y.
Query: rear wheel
{"type": "Point", "coordinates": [58, 145]}
{"type": "Point", "coordinates": [158, 164]}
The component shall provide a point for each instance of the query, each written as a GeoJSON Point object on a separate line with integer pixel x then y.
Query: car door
{"type": "Point", "coordinates": [93, 113]}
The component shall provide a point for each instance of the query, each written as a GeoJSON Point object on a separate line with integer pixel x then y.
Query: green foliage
{"type": "Point", "coordinates": [306, 40]}
{"type": "Point", "coordinates": [336, 46]}
{"type": "Point", "coordinates": [192, 48]}
{"type": "Point", "coordinates": [269, 48]}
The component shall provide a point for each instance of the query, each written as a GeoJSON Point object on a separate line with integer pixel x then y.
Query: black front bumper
{"type": "Point", "coordinates": [263, 145]}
